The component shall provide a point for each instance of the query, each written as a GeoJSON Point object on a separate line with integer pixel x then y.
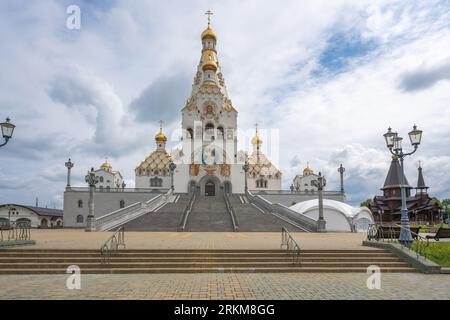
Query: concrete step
{"type": "Point", "coordinates": [199, 264]}
{"type": "Point", "coordinates": [285, 258]}
{"type": "Point", "coordinates": [209, 214]}
{"type": "Point", "coordinates": [210, 270]}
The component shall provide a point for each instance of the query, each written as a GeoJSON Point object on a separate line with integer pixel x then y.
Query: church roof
{"type": "Point", "coordinates": [260, 165]}
{"type": "Point", "coordinates": [421, 181]}
{"type": "Point", "coordinates": [157, 160]}
{"type": "Point", "coordinates": [394, 176]}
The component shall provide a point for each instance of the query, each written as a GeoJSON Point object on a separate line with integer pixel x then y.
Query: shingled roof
{"type": "Point", "coordinates": [394, 177]}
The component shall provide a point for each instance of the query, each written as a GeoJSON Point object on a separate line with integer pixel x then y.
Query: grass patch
{"type": "Point", "coordinates": [438, 252]}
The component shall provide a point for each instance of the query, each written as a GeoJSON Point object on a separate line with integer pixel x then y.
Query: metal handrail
{"type": "Point", "coordinates": [112, 245]}
{"type": "Point", "coordinates": [231, 211]}
{"type": "Point", "coordinates": [291, 245]}
{"type": "Point", "coordinates": [16, 231]}
{"type": "Point", "coordinates": [387, 232]}
{"type": "Point", "coordinates": [187, 211]}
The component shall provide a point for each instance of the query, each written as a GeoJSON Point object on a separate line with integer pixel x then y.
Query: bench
{"type": "Point", "coordinates": [393, 232]}
{"type": "Point", "coordinates": [440, 234]}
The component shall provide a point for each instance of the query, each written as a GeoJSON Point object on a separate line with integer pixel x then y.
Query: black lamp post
{"type": "Point", "coordinates": [394, 144]}
{"type": "Point", "coordinates": [7, 131]}
{"type": "Point", "coordinates": [320, 183]}
{"type": "Point", "coordinates": [245, 167]}
{"type": "Point", "coordinates": [91, 179]}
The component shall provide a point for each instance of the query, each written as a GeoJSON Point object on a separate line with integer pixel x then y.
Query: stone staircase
{"type": "Point", "coordinates": [166, 219]}
{"type": "Point", "coordinates": [52, 261]}
{"type": "Point", "coordinates": [209, 214]}
{"type": "Point", "coordinates": [253, 219]}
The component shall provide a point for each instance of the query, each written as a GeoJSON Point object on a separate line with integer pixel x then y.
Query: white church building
{"type": "Point", "coordinates": [208, 162]}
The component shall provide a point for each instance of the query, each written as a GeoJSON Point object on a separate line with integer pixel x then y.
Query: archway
{"type": "Point", "coordinates": [44, 223]}
{"type": "Point", "coordinates": [210, 189]}
{"type": "Point", "coordinates": [210, 186]}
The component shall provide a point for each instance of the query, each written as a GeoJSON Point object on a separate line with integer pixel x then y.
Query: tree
{"type": "Point", "coordinates": [446, 206]}
{"type": "Point", "coordinates": [366, 203]}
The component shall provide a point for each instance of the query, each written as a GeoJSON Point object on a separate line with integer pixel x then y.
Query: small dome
{"type": "Point", "coordinates": [161, 137]}
{"type": "Point", "coordinates": [209, 33]}
{"type": "Point", "coordinates": [209, 65]}
{"type": "Point", "coordinates": [308, 170]}
{"type": "Point", "coordinates": [257, 140]}
{"type": "Point", "coordinates": [106, 166]}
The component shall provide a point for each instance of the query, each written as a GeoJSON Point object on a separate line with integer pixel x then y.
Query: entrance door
{"type": "Point", "coordinates": [210, 189]}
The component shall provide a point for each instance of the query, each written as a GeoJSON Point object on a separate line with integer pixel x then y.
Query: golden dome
{"type": "Point", "coordinates": [160, 137]}
{"type": "Point", "coordinates": [308, 170]}
{"type": "Point", "coordinates": [257, 140]}
{"type": "Point", "coordinates": [106, 165]}
{"type": "Point", "coordinates": [209, 33]}
{"type": "Point", "coordinates": [209, 65]}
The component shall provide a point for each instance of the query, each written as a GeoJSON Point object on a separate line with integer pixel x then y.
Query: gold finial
{"type": "Point", "coordinates": [106, 165]}
{"type": "Point", "coordinates": [209, 13]}
{"type": "Point", "coordinates": [161, 137]}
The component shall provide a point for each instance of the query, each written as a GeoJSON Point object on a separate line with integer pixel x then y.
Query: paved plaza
{"type": "Point", "coordinates": [227, 286]}
{"type": "Point", "coordinates": [79, 239]}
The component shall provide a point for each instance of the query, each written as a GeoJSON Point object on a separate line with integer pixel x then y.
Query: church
{"type": "Point", "coordinates": [209, 159]}
{"type": "Point", "coordinates": [205, 185]}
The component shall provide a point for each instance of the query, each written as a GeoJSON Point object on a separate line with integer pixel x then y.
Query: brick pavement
{"type": "Point", "coordinates": [79, 239]}
{"type": "Point", "coordinates": [228, 286]}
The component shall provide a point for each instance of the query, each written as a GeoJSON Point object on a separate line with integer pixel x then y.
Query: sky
{"type": "Point", "coordinates": [329, 77]}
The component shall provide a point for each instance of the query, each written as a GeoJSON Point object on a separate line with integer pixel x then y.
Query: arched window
{"type": "Point", "coordinates": [44, 223]}
{"type": "Point", "coordinates": [80, 203]}
{"type": "Point", "coordinates": [80, 218]}
{"type": "Point", "coordinates": [220, 133]}
{"type": "Point", "coordinates": [122, 204]}
{"type": "Point", "coordinates": [190, 133]}
{"type": "Point", "coordinates": [209, 131]}
{"type": "Point", "coordinates": [101, 179]}
{"type": "Point", "coordinates": [261, 183]}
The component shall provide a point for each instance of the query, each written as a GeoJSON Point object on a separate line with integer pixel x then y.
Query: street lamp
{"type": "Point", "coordinates": [91, 179]}
{"type": "Point", "coordinates": [320, 183]}
{"type": "Point", "coordinates": [69, 165]}
{"type": "Point", "coordinates": [172, 167]}
{"type": "Point", "coordinates": [394, 144]}
{"type": "Point", "coordinates": [246, 167]}
{"type": "Point", "coordinates": [341, 171]}
{"type": "Point", "coordinates": [7, 131]}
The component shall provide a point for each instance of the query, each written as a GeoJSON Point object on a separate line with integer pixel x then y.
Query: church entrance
{"type": "Point", "coordinates": [210, 189]}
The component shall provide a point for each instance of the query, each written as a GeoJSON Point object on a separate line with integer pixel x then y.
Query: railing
{"type": "Point", "coordinates": [121, 216]}
{"type": "Point", "coordinates": [304, 222]}
{"type": "Point", "coordinates": [112, 245]}
{"type": "Point", "coordinates": [187, 211]}
{"type": "Point", "coordinates": [115, 190]}
{"type": "Point", "coordinates": [16, 231]}
{"type": "Point", "coordinates": [306, 193]}
{"type": "Point", "coordinates": [391, 233]}
{"type": "Point", "coordinates": [231, 211]}
{"type": "Point", "coordinates": [292, 246]}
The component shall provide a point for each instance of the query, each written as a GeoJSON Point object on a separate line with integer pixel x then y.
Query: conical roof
{"type": "Point", "coordinates": [421, 181]}
{"type": "Point", "coordinates": [394, 177]}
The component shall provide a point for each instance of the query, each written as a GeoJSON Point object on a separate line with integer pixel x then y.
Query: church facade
{"type": "Point", "coordinates": [209, 160]}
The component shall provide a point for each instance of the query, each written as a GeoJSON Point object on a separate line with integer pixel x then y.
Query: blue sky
{"type": "Point", "coordinates": [330, 76]}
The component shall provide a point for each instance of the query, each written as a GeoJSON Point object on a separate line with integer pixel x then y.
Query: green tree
{"type": "Point", "coordinates": [366, 203]}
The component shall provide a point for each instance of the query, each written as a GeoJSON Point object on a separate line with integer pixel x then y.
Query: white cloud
{"type": "Point", "coordinates": [268, 53]}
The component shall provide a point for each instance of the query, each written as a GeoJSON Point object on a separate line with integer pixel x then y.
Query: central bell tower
{"type": "Point", "coordinates": [209, 120]}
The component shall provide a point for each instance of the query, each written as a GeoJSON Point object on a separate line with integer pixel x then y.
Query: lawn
{"type": "Point", "coordinates": [438, 252]}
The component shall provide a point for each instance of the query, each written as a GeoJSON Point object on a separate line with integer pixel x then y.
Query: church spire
{"type": "Point", "coordinates": [421, 186]}
{"type": "Point", "coordinates": [160, 137]}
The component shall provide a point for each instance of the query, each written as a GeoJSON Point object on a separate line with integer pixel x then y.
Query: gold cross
{"type": "Point", "coordinates": [209, 14]}
{"type": "Point", "coordinates": [256, 126]}
{"type": "Point", "coordinates": [161, 124]}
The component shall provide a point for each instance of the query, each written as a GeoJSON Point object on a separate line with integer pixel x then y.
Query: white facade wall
{"type": "Point", "coordinates": [304, 183]}
{"type": "Point", "coordinates": [104, 202]}
{"type": "Point", "coordinates": [143, 182]}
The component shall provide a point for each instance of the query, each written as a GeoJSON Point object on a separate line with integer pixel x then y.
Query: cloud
{"type": "Point", "coordinates": [425, 77]}
{"type": "Point", "coordinates": [162, 100]}
{"type": "Point", "coordinates": [100, 91]}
